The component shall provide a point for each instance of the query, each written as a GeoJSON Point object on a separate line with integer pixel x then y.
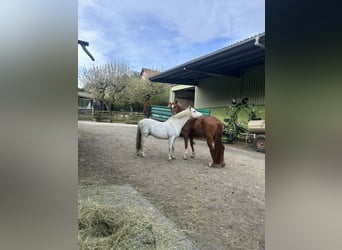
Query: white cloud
{"type": "Point", "coordinates": [159, 34]}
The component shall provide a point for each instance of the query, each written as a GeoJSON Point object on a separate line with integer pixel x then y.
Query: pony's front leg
{"type": "Point", "coordinates": [171, 148]}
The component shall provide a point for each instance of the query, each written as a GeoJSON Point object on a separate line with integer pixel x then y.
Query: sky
{"type": "Point", "coordinates": [162, 34]}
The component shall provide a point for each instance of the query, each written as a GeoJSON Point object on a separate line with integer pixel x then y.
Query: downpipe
{"type": "Point", "coordinates": [257, 43]}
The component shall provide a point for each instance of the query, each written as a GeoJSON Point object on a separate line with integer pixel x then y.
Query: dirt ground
{"type": "Point", "coordinates": [217, 208]}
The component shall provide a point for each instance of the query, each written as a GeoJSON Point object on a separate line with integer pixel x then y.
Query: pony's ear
{"type": "Point", "coordinates": [176, 101]}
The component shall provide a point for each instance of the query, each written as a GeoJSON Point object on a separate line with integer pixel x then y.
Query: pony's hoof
{"type": "Point", "coordinates": [192, 156]}
{"type": "Point", "coordinates": [185, 157]}
{"type": "Point", "coordinates": [173, 157]}
{"type": "Point", "coordinates": [214, 165]}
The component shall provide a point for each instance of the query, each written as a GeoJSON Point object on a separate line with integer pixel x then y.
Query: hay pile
{"type": "Point", "coordinates": [105, 227]}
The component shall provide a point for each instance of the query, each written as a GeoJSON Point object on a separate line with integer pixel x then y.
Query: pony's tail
{"type": "Point", "coordinates": [138, 139]}
{"type": "Point", "coordinates": [218, 146]}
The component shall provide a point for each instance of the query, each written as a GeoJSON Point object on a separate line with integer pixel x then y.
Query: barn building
{"type": "Point", "coordinates": [213, 80]}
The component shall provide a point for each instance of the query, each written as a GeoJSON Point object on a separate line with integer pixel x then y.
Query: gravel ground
{"type": "Point", "coordinates": [218, 208]}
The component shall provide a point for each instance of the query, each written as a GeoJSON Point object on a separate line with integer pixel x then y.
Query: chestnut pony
{"type": "Point", "coordinates": [208, 127]}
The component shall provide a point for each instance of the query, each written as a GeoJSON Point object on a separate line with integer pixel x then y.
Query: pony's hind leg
{"type": "Point", "coordinates": [192, 147]}
{"type": "Point", "coordinates": [143, 140]}
{"type": "Point", "coordinates": [211, 149]}
{"type": "Point", "coordinates": [185, 157]}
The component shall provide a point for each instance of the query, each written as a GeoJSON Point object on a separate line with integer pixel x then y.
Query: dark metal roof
{"type": "Point", "coordinates": [228, 61]}
{"type": "Point", "coordinates": [85, 94]}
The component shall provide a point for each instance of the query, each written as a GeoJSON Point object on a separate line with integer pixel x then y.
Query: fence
{"type": "Point", "coordinates": [162, 113]}
{"type": "Point", "coordinates": [159, 113]}
{"type": "Point", "coordinates": [104, 116]}
{"type": "Point", "coordinates": [85, 113]}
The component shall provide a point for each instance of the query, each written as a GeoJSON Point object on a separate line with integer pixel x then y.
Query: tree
{"type": "Point", "coordinates": [140, 89]}
{"type": "Point", "coordinates": [107, 82]}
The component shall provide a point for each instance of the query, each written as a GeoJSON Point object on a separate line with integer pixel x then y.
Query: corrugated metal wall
{"type": "Point", "coordinates": [219, 91]}
{"type": "Point", "coordinates": [253, 84]}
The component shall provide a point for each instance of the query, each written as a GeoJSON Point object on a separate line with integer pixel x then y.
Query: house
{"type": "Point", "coordinates": [214, 80]}
{"type": "Point", "coordinates": [85, 104]}
{"type": "Point", "coordinates": [145, 73]}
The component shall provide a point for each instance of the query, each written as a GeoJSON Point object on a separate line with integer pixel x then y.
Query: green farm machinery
{"type": "Point", "coordinates": [235, 128]}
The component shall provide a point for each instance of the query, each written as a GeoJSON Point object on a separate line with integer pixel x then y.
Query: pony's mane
{"type": "Point", "coordinates": [176, 107]}
{"type": "Point", "coordinates": [179, 106]}
{"type": "Point", "coordinates": [183, 113]}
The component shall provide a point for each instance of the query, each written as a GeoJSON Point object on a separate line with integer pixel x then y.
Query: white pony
{"type": "Point", "coordinates": [169, 129]}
